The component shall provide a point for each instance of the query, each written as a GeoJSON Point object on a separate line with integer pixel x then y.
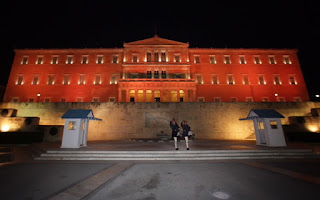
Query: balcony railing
{"type": "Point", "coordinates": [157, 80]}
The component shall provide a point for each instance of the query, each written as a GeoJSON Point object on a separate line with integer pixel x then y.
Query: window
{"type": "Point", "coordinates": [51, 79]}
{"type": "Point", "coordinates": [47, 99]}
{"type": "Point", "coordinates": [113, 79]}
{"type": "Point", "coordinates": [233, 99]}
{"type": "Point", "coordinates": [115, 59]}
{"type": "Point", "coordinates": [163, 74]}
{"type": "Point", "coordinates": [97, 80]}
{"type": "Point", "coordinates": [281, 99]}
{"type": "Point", "coordinates": [156, 74]}
{"type": "Point", "coordinates": [25, 60]}
{"type": "Point", "coordinates": [249, 99]}
{"type": "Point", "coordinates": [95, 99]}
{"type": "Point", "coordinates": [292, 80]}
{"type": "Point", "coordinates": [72, 125]}
{"type": "Point", "coordinates": [272, 60]}
{"type": "Point", "coordinates": [149, 56]}
{"type": "Point", "coordinates": [200, 99]}
{"type": "Point", "coordinates": [15, 99]}
{"type": "Point", "coordinates": [227, 59]}
{"type": "Point", "coordinates": [243, 60]}
{"type": "Point", "coordinates": [31, 99]}
{"type": "Point", "coordinates": [84, 60]}
{"type": "Point", "coordinates": [199, 79]}
{"type": "Point", "coordinates": [286, 60]}
{"type": "Point", "coordinates": [100, 60]}
{"type": "Point", "coordinates": [261, 80]}
{"type": "Point", "coordinates": [156, 56]}
{"type": "Point", "coordinates": [35, 80]}
{"type": "Point", "coordinates": [230, 80]}
{"type": "Point", "coordinates": [196, 59]}
{"type": "Point", "coordinates": [260, 125]}
{"type": "Point", "coordinates": [135, 58]}
{"type": "Point", "coordinates": [163, 57]}
{"type": "Point", "coordinates": [69, 60]}
{"type": "Point", "coordinates": [20, 80]}
{"type": "Point", "coordinates": [39, 60]}
{"type": "Point", "coordinates": [257, 60]}
{"type": "Point", "coordinates": [177, 58]}
{"type": "Point", "coordinates": [273, 124]}
{"type": "Point", "coordinates": [217, 99]}
{"type": "Point", "coordinates": [66, 79]}
{"type": "Point", "coordinates": [277, 80]}
{"type": "Point", "coordinates": [213, 60]}
{"type": "Point", "coordinates": [215, 80]}
{"type": "Point", "coordinates": [112, 99]}
{"type": "Point", "coordinates": [55, 60]}
{"type": "Point", "coordinates": [82, 79]}
{"type": "Point", "coordinates": [149, 74]}
{"type": "Point", "coordinates": [246, 80]}
{"type": "Point", "coordinates": [297, 99]}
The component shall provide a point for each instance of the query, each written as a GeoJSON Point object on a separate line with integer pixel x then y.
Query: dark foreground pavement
{"type": "Point", "coordinates": [274, 179]}
{"type": "Point", "coordinates": [150, 180]}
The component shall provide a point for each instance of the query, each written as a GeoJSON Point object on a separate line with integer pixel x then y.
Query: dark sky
{"type": "Point", "coordinates": [219, 24]}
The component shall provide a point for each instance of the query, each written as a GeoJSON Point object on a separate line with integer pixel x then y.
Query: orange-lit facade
{"type": "Point", "coordinates": [156, 69]}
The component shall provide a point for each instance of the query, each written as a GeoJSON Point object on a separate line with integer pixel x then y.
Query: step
{"type": "Point", "coordinates": [6, 155]}
{"type": "Point", "coordinates": [172, 158]}
{"type": "Point", "coordinates": [183, 151]}
{"type": "Point", "coordinates": [176, 155]}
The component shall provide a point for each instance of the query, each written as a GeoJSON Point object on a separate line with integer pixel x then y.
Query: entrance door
{"type": "Point", "coordinates": [262, 132]}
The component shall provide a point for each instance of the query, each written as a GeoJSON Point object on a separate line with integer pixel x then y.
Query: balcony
{"type": "Point", "coordinates": [156, 77]}
{"type": "Point", "coordinates": [156, 80]}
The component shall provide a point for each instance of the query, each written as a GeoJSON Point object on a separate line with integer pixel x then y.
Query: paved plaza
{"type": "Point", "coordinates": [148, 180]}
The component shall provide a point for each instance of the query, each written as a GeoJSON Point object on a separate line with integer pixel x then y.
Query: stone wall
{"type": "Point", "coordinates": [214, 120]}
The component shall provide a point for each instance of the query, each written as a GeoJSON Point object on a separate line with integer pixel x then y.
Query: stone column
{"type": "Point", "coordinates": [136, 96]}
{"type": "Point", "coordinates": [144, 95]}
{"type": "Point", "coordinates": [128, 96]}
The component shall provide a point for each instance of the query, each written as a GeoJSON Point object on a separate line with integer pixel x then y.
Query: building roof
{"type": "Point", "coordinates": [80, 114]}
{"type": "Point", "coordinates": [263, 113]}
{"type": "Point", "coordinates": [156, 40]}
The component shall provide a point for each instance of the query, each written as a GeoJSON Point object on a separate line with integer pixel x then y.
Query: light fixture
{"type": "Point", "coordinates": [5, 128]}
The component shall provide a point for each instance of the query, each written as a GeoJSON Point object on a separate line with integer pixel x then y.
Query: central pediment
{"type": "Point", "coordinates": [156, 41]}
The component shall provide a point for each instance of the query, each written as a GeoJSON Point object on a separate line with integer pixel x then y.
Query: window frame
{"type": "Point", "coordinates": [69, 60]}
{"type": "Point", "coordinates": [227, 60]}
{"type": "Point", "coordinates": [55, 60]}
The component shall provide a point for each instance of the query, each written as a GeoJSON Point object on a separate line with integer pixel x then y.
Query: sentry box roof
{"type": "Point", "coordinates": [80, 114]}
{"type": "Point", "coordinates": [263, 113]}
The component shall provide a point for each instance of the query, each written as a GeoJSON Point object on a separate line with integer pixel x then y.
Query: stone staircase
{"type": "Point", "coordinates": [177, 155]}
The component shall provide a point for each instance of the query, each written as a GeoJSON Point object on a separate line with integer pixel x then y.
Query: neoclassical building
{"type": "Point", "coordinates": [156, 69]}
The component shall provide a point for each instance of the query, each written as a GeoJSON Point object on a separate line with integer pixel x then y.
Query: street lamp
{"type": "Point", "coordinates": [38, 95]}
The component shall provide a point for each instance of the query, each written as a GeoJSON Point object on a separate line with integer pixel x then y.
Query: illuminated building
{"type": "Point", "coordinates": [156, 69]}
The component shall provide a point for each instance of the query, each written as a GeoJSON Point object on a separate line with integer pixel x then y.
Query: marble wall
{"type": "Point", "coordinates": [210, 120]}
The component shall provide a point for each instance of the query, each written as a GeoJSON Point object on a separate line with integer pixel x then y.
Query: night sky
{"type": "Point", "coordinates": [218, 24]}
